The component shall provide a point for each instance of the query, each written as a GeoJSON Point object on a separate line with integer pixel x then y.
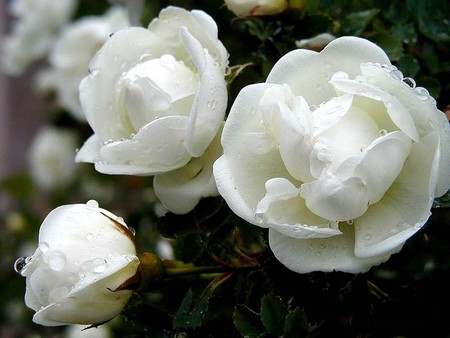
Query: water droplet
{"type": "Point", "coordinates": [368, 237]}
{"type": "Point", "coordinates": [339, 76]}
{"type": "Point", "coordinates": [382, 132]}
{"type": "Point", "coordinates": [20, 263]}
{"type": "Point", "coordinates": [212, 104]}
{"type": "Point", "coordinates": [422, 93]}
{"type": "Point", "coordinates": [132, 230]}
{"type": "Point", "coordinates": [107, 142]}
{"type": "Point", "coordinates": [92, 204]}
{"type": "Point", "coordinates": [43, 246]}
{"type": "Point", "coordinates": [101, 268]}
{"type": "Point", "coordinates": [409, 82]}
{"type": "Point", "coordinates": [57, 260]}
{"type": "Point", "coordinates": [350, 222]}
{"type": "Point", "coordinates": [89, 236]}
{"type": "Point", "coordinates": [146, 57]}
{"type": "Point", "coordinates": [396, 74]}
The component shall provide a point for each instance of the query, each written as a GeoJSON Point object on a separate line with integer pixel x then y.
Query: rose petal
{"type": "Point", "coordinates": [238, 182]}
{"type": "Point", "coordinates": [317, 68]}
{"type": "Point", "coordinates": [284, 210]}
{"type": "Point", "coordinates": [180, 190]}
{"type": "Point", "coordinates": [382, 162]}
{"type": "Point", "coordinates": [81, 297]}
{"type": "Point", "coordinates": [336, 199]}
{"type": "Point", "coordinates": [158, 147]}
{"type": "Point", "coordinates": [328, 254]}
{"type": "Point", "coordinates": [405, 207]}
{"type": "Point", "coordinates": [208, 108]}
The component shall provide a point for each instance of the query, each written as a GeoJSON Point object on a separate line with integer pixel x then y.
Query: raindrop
{"type": "Point", "coordinates": [350, 222]}
{"type": "Point", "coordinates": [396, 74]}
{"type": "Point", "coordinates": [212, 104]}
{"type": "Point", "coordinates": [100, 269]}
{"type": "Point", "coordinates": [409, 82]}
{"type": "Point", "coordinates": [146, 57]}
{"type": "Point", "coordinates": [20, 263]}
{"type": "Point", "coordinates": [422, 93]}
{"type": "Point", "coordinates": [382, 132]}
{"type": "Point", "coordinates": [92, 204]}
{"type": "Point", "coordinates": [43, 246]}
{"type": "Point", "coordinates": [339, 76]}
{"type": "Point", "coordinates": [57, 260]}
{"type": "Point", "coordinates": [132, 230]}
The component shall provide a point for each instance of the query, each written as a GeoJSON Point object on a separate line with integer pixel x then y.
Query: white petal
{"type": "Point", "coordinates": [335, 199]}
{"type": "Point", "coordinates": [238, 182]}
{"type": "Point", "coordinates": [90, 150]}
{"type": "Point", "coordinates": [98, 96]}
{"type": "Point", "coordinates": [208, 109]}
{"type": "Point", "coordinates": [158, 147]}
{"type": "Point", "coordinates": [326, 254]}
{"type": "Point", "coordinates": [405, 207]}
{"type": "Point", "coordinates": [284, 210]}
{"type": "Point", "coordinates": [343, 54]}
{"type": "Point", "coordinates": [81, 307]}
{"type": "Point", "coordinates": [331, 112]}
{"type": "Point", "coordinates": [381, 163]}
{"type": "Point", "coordinates": [397, 111]}
{"type": "Point", "coordinates": [180, 190]}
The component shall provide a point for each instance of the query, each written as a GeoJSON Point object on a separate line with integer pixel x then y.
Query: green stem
{"type": "Point", "coordinates": [194, 270]}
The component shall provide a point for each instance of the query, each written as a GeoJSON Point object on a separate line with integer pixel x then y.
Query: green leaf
{"type": "Point", "coordinates": [296, 324]}
{"type": "Point", "coordinates": [247, 322]}
{"type": "Point", "coordinates": [431, 84]}
{"type": "Point", "coordinates": [191, 312]}
{"type": "Point", "coordinates": [355, 23]}
{"type": "Point", "coordinates": [406, 33]}
{"type": "Point", "coordinates": [408, 65]}
{"type": "Point", "coordinates": [273, 314]}
{"type": "Point", "coordinates": [390, 44]}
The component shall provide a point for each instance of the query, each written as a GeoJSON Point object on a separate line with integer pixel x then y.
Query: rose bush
{"type": "Point", "coordinates": [337, 154]}
{"type": "Point", "coordinates": [85, 254]}
{"type": "Point", "coordinates": [156, 97]}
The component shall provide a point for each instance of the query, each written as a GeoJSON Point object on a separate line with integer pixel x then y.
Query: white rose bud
{"type": "Point", "coordinates": [51, 158]}
{"type": "Point", "coordinates": [338, 154]}
{"type": "Point", "coordinates": [244, 8]}
{"type": "Point", "coordinates": [77, 274]}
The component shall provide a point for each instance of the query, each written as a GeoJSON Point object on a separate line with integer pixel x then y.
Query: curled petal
{"type": "Point", "coordinates": [405, 207]}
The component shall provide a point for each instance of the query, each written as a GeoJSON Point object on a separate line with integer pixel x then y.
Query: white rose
{"type": "Point", "coordinates": [337, 155]}
{"type": "Point", "coordinates": [85, 254]}
{"type": "Point", "coordinates": [51, 158]}
{"type": "Point", "coordinates": [156, 97]}
{"type": "Point", "coordinates": [35, 26]}
{"type": "Point", "coordinates": [244, 8]}
{"type": "Point", "coordinates": [74, 49]}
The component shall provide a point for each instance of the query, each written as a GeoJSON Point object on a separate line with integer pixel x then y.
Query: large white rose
{"type": "Point", "coordinates": [35, 26]}
{"type": "Point", "coordinates": [156, 97]}
{"type": "Point", "coordinates": [337, 154]}
{"type": "Point", "coordinates": [74, 49]}
{"type": "Point", "coordinates": [85, 253]}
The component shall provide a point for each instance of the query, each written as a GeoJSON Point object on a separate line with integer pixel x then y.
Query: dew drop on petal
{"type": "Point", "coordinates": [89, 236]}
{"type": "Point", "coordinates": [92, 204]}
{"type": "Point", "coordinates": [43, 246]}
{"type": "Point", "coordinates": [20, 263]}
{"type": "Point", "coordinates": [422, 93]}
{"type": "Point", "coordinates": [382, 132]}
{"type": "Point", "coordinates": [57, 260]}
{"type": "Point", "coordinates": [396, 74]}
{"type": "Point", "coordinates": [132, 230]}
{"type": "Point", "coordinates": [350, 222]}
{"type": "Point", "coordinates": [409, 82]}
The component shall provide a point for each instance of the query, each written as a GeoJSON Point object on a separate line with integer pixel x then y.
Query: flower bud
{"type": "Point", "coordinates": [244, 8]}
{"type": "Point", "coordinates": [84, 255]}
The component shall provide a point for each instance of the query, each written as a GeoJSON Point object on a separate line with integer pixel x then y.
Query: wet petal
{"type": "Point", "coordinates": [317, 68]}
{"type": "Point", "coordinates": [158, 147]}
{"type": "Point", "coordinates": [284, 210]}
{"type": "Point", "coordinates": [405, 207]}
{"type": "Point", "coordinates": [326, 254]}
{"type": "Point", "coordinates": [335, 199]}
